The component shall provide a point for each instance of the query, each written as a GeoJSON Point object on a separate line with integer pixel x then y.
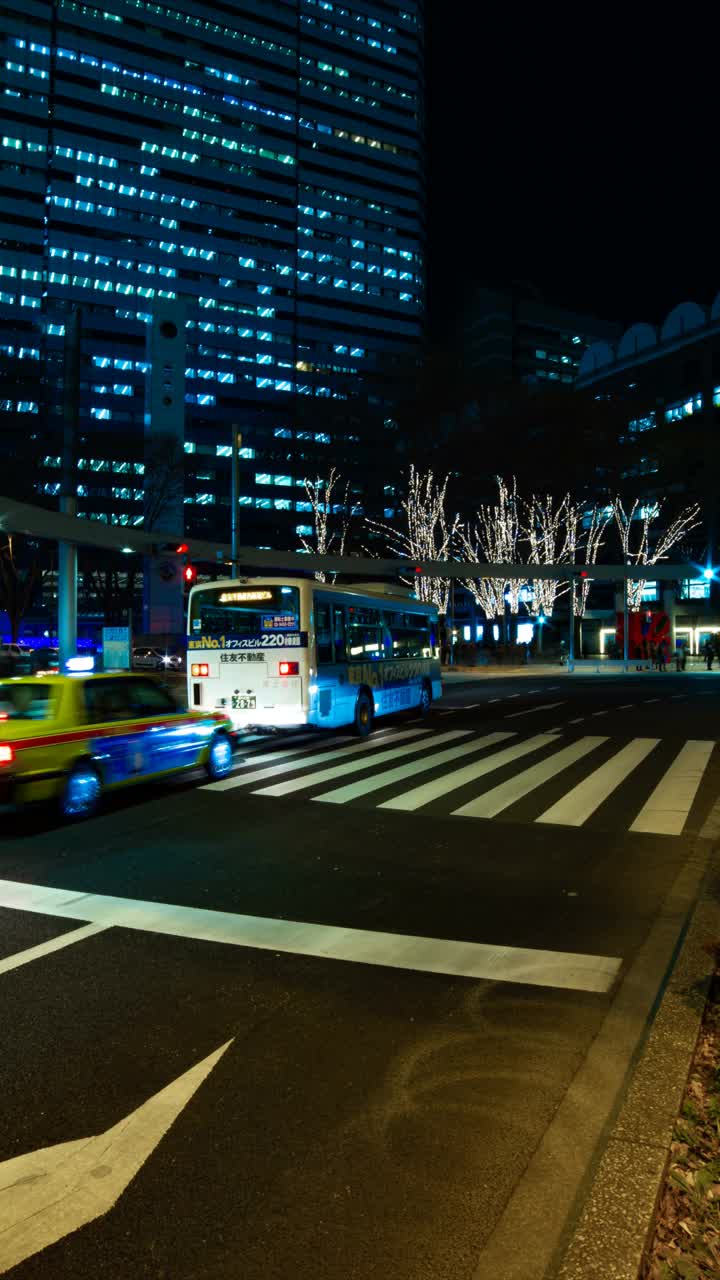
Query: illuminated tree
{"type": "Point", "coordinates": [551, 535]}
{"type": "Point", "coordinates": [426, 533]}
{"type": "Point", "coordinates": [330, 526]}
{"type": "Point", "coordinates": [635, 529]}
{"type": "Point", "coordinates": [594, 522]}
{"type": "Point", "coordinates": [494, 538]}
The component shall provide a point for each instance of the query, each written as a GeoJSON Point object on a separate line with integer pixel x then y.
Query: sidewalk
{"type": "Point", "coordinates": [534, 670]}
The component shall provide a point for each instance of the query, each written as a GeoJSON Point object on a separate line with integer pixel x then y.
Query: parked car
{"type": "Point", "coordinates": [71, 738]}
{"type": "Point", "coordinates": [14, 660]}
{"type": "Point", "coordinates": [45, 661]}
{"type": "Point", "coordinates": [147, 659]}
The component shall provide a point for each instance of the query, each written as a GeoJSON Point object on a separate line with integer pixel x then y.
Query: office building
{"type": "Point", "coordinates": [264, 168]}
{"type": "Point", "coordinates": [513, 335]}
{"type": "Point", "coordinates": [665, 382]}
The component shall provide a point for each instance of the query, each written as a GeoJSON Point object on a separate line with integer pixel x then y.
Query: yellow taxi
{"type": "Point", "coordinates": [70, 738]}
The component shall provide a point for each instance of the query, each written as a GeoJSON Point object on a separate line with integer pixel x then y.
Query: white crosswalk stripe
{"type": "Point", "coordinates": [451, 781]}
{"type": "Point", "coordinates": [493, 802]}
{"type": "Point", "coordinates": [341, 795]}
{"type": "Point", "coordinates": [459, 758]}
{"type": "Point", "coordinates": [249, 774]}
{"type": "Point", "coordinates": [339, 770]}
{"type": "Point", "coordinates": [576, 806]}
{"type": "Point", "coordinates": [665, 812]}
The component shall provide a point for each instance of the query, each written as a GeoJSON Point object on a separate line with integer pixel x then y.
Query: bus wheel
{"type": "Point", "coordinates": [363, 714]}
{"type": "Point", "coordinates": [425, 697]}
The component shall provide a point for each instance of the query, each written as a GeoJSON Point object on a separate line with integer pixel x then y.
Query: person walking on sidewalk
{"type": "Point", "coordinates": [708, 652]}
{"type": "Point", "coordinates": [661, 662]}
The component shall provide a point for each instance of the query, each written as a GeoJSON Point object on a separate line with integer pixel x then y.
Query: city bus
{"type": "Point", "coordinates": [282, 652]}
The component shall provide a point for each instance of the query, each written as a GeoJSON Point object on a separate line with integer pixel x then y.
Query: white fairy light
{"type": "Point", "coordinates": [326, 537]}
{"type": "Point", "coordinates": [426, 534]}
{"type": "Point", "coordinates": [635, 527]}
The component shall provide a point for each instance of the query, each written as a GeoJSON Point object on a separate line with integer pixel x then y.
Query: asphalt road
{"type": "Point", "coordinates": [408, 997]}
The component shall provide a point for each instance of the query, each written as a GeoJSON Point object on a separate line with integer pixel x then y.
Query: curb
{"type": "Point", "coordinates": [617, 1212]}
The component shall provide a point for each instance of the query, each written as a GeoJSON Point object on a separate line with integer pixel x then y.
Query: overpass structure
{"type": "Point", "coordinates": [36, 522]}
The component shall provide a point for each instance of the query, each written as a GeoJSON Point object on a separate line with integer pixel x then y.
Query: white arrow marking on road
{"type": "Point", "coordinates": [49, 1193]}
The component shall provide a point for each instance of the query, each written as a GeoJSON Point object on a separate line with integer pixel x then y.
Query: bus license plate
{"type": "Point", "coordinates": [241, 702]}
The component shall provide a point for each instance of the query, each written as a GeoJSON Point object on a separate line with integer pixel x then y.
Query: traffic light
{"type": "Point", "coordinates": [189, 574]}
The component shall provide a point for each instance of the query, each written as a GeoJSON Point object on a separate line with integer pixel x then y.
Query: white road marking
{"type": "Point", "coordinates": [249, 774]}
{"type": "Point", "coordinates": [626, 706]}
{"type": "Point", "coordinates": [47, 1194]}
{"type": "Point", "coordinates": [579, 720]}
{"type": "Point", "coordinates": [451, 711]}
{"type": "Point", "coordinates": [494, 700]}
{"type": "Point", "coordinates": [567, 970]}
{"type": "Point", "coordinates": [666, 811]}
{"type": "Point", "coordinates": [46, 948]}
{"type": "Point", "coordinates": [471, 706]}
{"type": "Point", "coordinates": [514, 695]}
{"type": "Point", "coordinates": [341, 795]}
{"type": "Point", "coordinates": [501, 797]}
{"type": "Point", "coordinates": [419, 796]}
{"type": "Point", "coordinates": [601, 713]}
{"type": "Point", "coordinates": [578, 804]}
{"type": "Point", "coordinates": [266, 756]}
{"type": "Point", "coordinates": [651, 699]}
{"type": "Point", "coordinates": [546, 706]}
{"type": "Point", "coordinates": [352, 766]}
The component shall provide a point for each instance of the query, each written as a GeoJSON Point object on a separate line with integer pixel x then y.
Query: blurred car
{"type": "Point", "coordinates": [45, 662]}
{"type": "Point", "coordinates": [15, 660]}
{"type": "Point", "coordinates": [71, 738]}
{"type": "Point", "coordinates": [156, 660]}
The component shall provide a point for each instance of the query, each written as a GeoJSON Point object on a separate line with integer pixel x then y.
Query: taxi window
{"type": "Point", "coordinates": [106, 700]}
{"type": "Point", "coordinates": [150, 699]}
{"type": "Point", "coordinates": [23, 700]}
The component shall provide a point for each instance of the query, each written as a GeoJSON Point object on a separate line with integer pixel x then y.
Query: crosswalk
{"type": "Point", "coordinates": [645, 785]}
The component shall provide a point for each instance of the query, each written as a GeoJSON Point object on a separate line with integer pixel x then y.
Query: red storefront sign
{"type": "Point", "coordinates": [647, 629]}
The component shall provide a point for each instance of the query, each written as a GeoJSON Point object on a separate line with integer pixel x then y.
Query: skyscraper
{"type": "Point", "coordinates": [265, 169]}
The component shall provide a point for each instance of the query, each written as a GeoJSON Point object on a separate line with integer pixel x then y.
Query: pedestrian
{"type": "Point", "coordinates": [708, 651]}
{"type": "Point", "coordinates": [679, 655]}
{"type": "Point", "coordinates": [661, 664]}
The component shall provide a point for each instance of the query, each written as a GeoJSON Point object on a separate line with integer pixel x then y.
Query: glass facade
{"type": "Point", "coordinates": [264, 167]}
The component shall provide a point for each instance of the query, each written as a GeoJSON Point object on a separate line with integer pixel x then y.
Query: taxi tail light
{"type": "Point", "coordinates": [7, 755]}
{"type": "Point", "coordinates": [200, 669]}
{"type": "Point", "coordinates": [289, 668]}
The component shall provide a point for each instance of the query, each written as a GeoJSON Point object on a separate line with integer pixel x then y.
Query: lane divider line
{"type": "Point", "coordinates": [569, 971]}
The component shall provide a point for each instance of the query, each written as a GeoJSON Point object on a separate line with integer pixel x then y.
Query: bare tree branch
{"type": "Point", "coordinates": [427, 534]}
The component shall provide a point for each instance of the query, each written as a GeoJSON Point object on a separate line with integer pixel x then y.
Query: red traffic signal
{"type": "Point", "coordinates": [182, 549]}
{"type": "Point", "coordinates": [189, 574]}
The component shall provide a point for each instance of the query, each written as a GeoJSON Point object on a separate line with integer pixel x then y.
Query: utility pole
{"type": "Point", "coordinates": [67, 551]}
{"type": "Point", "coordinates": [235, 501]}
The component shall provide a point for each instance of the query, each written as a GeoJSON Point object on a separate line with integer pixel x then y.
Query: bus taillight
{"type": "Point", "coordinates": [199, 669]}
{"type": "Point", "coordinates": [289, 668]}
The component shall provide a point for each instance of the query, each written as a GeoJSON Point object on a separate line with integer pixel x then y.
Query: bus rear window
{"type": "Point", "coordinates": [244, 611]}
{"type": "Point", "coordinates": [24, 700]}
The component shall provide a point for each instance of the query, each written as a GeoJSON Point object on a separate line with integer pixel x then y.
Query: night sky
{"type": "Point", "coordinates": [585, 163]}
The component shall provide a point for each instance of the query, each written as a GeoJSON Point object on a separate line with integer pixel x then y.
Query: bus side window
{"type": "Point", "coordinates": [339, 633]}
{"type": "Point", "coordinates": [323, 633]}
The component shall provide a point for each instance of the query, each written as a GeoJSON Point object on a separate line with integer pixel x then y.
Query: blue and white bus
{"type": "Point", "coordinates": [282, 652]}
